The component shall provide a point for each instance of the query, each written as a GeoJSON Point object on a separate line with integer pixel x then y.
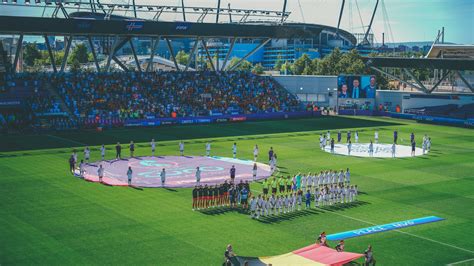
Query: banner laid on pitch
{"type": "Point", "coordinates": [383, 228]}
{"type": "Point", "coordinates": [311, 255]}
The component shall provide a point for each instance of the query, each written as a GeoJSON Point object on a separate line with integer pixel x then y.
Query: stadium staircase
{"type": "Point", "coordinates": [54, 92]}
{"type": "Point", "coordinates": [280, 86]}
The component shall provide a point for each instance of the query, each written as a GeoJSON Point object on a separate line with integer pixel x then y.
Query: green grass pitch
{"type": "Point", "coordinates": [49, 217]}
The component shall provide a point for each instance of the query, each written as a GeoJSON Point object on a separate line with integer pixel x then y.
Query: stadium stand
{"type": "Point", "coordinates": [66, 100]}
{"type": "Point", "coordinates": [449, 110]}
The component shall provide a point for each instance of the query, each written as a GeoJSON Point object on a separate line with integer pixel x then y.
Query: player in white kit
{"type": "Point", "coordinates": [81, 169]}
{"type": "Point", "coordinates": [357, 136]}
{"type": "Point", "coordinates": [349, 147]}
{"type": "Point", "coordinates": [234, 150]}
{"type": "Point", "coordinates": [208, 149]}
{"type": "Point", "coordinates": [181, 148]}
{"type": "Point", "coordinates": [348, 176]}
{"type": "Point", "coordinates": [87, 154]}
{"type": "Point", "coordinates": [394, 148]}
{"type": "Point", "coordinates": [423, 145]}
{"type": "Point", "coordinates": [341, 177]}
{"type": "Point", "coordinates": [254, 171]}
{"type": "Point", "coordinates": [371, 149]}
{"type": "Point", "coordinates": [259, 206]}
{"type": "Point", "coordinates": [100, 173]}
{"type": "Point", "coordinates": [376, 136]}
{"type": "Point", "coordinates": [253, 208]}
{"type": "Point", "coordinates": [102, 152]}
{"type": "Point", "coordinates": [255, 153]}
{"type": "Point", "coordinates": [198, 176]}
{"type": "Point", "coordinates": [153, 147]}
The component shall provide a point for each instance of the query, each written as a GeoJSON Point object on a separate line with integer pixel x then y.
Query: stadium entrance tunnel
{"type": "Point", "coordinates": [381, 150]}
{"type": "Point", "coordinates": [180, 171]}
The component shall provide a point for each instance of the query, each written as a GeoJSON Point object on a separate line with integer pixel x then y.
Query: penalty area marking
{"type": "Point", "coordinates": [410, 234]}
{"type": "Point", "coordinates": [459, 262]}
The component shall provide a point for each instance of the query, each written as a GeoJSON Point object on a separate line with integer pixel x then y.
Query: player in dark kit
{"type": "Point", "coordinates": [72, 164]}
{"type": "Point", "coordinates": [232, 174]}
{"type": "Point", "coordinates": [348, 136]}
{"type": "Point", "coordinates": [270, 154]}
{"type": "Point", "coordinates": [289, 184]}
{"type": "Point", "coordinates": [247, 186]}
{"type": "Point", "coordinates": [215, 201]}
{"type": "Point", "coordinates": [118, 151]}
{"type": "Point", "coordinates": [221, 195]}
{"type": "Point", "coordinates": [339, 136]}
{"type": "Point", "coordinates": [195, 197]}
{"type": "Point", "coordinates": [395, 136]}
{"type": "Point", "coordinates": [240, 187]}
{"type": "Point", "coordinates": [232, 196]}
{"type": "Point", "coordinates": [226, 192]}
{"type": "Point", "coordinates": [205, 193]}
{"type": "Point", "coordinates": [244, 193]}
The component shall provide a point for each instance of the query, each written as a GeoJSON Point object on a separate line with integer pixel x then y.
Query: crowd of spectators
{"type": "Point", "coordinates": [170, 94]}
{"type": "Point", "coordinates": [110, 98]}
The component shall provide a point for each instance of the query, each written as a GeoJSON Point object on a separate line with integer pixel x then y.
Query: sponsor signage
{"type": "Point", "coordinates": [181, 26]}
{"type": "Point", "coordinates": [9, 103]}
{"type": "Point", "coordinates": [222, 120]}
{"type": "Point", "coordinates": [238, 118]}
{"type": "Point", "coordinates": [134, 25]}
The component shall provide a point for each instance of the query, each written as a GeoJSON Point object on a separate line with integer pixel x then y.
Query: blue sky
{"type": "Point", "coordinates": [410, 20]}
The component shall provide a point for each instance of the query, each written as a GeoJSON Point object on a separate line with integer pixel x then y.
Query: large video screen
{"type": "Point", "coordinates": [355, 87]}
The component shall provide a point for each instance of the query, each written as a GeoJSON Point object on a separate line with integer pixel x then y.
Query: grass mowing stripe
{"type": "Point", "coordinates": [65, 139]}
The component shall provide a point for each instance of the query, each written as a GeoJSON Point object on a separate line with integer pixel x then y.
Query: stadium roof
{"type": "Point", "coordinates": [451, 51]}
{"type": "Point", "coordinates": [87, 25]}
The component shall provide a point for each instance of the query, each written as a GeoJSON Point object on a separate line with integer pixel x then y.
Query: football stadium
{"type": "Point", "coordinates": [235, 133]}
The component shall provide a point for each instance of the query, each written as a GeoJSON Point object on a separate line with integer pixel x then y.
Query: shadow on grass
{"type": "Point", "coordinates": [288, 216]}
{"type": "Point", "coordinates": [135, 187]}
{"type": "Point", "coordinates": [263, 219]}
{"type": "Point", "coordinates": [222, 210]}
{"type": "Point", "coordinates": [343, 206]}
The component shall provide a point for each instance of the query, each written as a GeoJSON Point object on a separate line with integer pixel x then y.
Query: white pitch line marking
{"type": "Point", "coordinates": [410, 234]}
{"type": "Point", "coordinates": [455, 263]}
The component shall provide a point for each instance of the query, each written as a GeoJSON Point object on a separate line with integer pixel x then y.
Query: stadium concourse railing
{"type": "Point", "coordinates": [423, 118]}
{"type": "Point", "coordinates": [219, 118]}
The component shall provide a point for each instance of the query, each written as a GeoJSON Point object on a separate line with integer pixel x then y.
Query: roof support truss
{"type": "Point", "coordinates": [19, 47]}
{"type": "Point", "coordinates": [249, 54]}
{"type": "Point", "coordinates": [50, 52]}
{"type": "Point", "coordinates": [465, 81]}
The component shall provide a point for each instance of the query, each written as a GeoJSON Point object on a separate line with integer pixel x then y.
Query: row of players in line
{"type": "Point", "coordinates": [325, 138]}
{"type": "Point", "coordinates": [118, 151]}
{"type": "Point", "coordinates": [308, 181]}
{"type": "Point", "coordinates": [230, 195]}
{"type": "Point", "coordinates": [426, 146]}
{"type": "Point", "coordinates": [325, 195]}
